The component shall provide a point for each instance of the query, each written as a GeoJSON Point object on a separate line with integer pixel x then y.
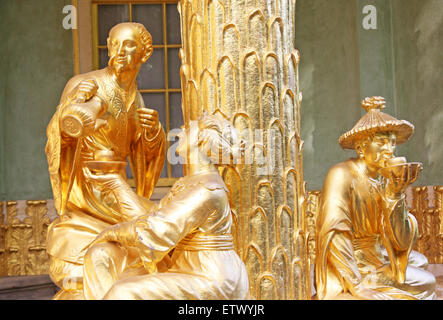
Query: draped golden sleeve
{"type": "Point", "coordinates": [365, 234]}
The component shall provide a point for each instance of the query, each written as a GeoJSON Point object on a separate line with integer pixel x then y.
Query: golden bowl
{"type": "Point", "coordinates": [105, 162]}
{"type": "Point", "coordinates": [413, 167]}
{"type": "Point", "coordinates": [105, 166]}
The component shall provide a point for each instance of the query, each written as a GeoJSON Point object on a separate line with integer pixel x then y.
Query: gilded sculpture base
{"type": "Point", "coordinates": [23, 228]}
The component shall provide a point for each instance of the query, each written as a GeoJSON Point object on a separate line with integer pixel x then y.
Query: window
{"type": "Point", "coordinates": [159, 78]}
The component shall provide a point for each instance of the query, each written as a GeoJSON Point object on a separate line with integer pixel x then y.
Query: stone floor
{"type": "Point", "coordinates": [27, 288]}
{"type": "Point", "coordinates": [42, 288]}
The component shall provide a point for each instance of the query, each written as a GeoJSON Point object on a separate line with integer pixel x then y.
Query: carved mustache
{"type": "Point", "coordinates": [381, 155]}
{"type": "Point", "coordinates": [116, 58]}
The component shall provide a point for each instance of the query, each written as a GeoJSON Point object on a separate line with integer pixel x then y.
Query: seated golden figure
{"type": "Point", "coordinates": [184, 250]}
{"type": "Point", "coordinates": [100, 122]}
{"type": "Point", "coordinates": [365, 234]}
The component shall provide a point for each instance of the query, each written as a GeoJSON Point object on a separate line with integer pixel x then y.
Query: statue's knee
{"type": "Point", "coordinates": [118, 292]}
{"type": "Point", "coordinates": [56, 271]}
{"type": "Point", "coordinates": [66, 275]}
{"type": "Point", "coordinates": [100, 252]}
{"type": "Point", "coordinates": [418, 260]}
{"type": "Point", "coordinates": [420, 278]}
{"type": "Point", "coordinates": [432, 281]}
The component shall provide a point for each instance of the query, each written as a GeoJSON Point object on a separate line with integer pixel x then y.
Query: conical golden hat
{"type": "Point", "coordinates": [376, 121]}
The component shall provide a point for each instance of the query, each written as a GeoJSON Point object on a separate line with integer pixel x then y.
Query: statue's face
{"type": "Point", "coordinates": [188, 138]}
{"type": "Point", "coordinates": [378, 150]}
{"type": "Point", "coordinates": [125, 49]}
{"type": "Point", "coordinates": [182, 142]}
{"type": "Point", "coordinates": [188, 143]}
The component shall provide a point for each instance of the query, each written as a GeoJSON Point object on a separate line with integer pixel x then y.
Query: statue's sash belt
{"type": "Point", "coordinates": [206, 242]}
{"type": "Point", "coordinates": [364, 243]}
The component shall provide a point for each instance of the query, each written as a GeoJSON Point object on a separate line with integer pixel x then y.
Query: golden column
{"type": "Point", "coordinates": [238, 59]}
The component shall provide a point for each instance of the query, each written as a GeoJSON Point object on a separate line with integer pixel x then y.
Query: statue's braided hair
{"type": "Point", "coordinates": [219, 140]}
{"type": "Point", "coordinates": [145, 36]}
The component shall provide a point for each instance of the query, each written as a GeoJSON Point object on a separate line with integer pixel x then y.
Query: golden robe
{"type": "Point", "coordinates": [194, 220]}
{"type": "Point", "coordinates": [364, 239]}
{"type": "Point", "coordinates": [91, 206]}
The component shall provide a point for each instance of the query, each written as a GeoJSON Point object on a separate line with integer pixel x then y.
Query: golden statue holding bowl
{"type": "Point", "coordinates": [365, 234]}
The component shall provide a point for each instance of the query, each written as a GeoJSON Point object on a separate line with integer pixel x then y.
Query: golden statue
{"type": "Point", "coordinates": [365, 234]}
{"type": "Point", "coordinates": [184, 250]}
{"type": "Point", "coordinates": [100, 122]}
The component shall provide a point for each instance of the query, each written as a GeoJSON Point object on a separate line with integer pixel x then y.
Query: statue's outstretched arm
{"type": "Point", "coordinates": [155, 234]}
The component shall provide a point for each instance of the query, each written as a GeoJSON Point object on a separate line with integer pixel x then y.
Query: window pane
{"type": "Point", "coordinates": [102, 58]}
{"type": "Point", "coordinates": [129, 174]}
{"type": "Point", "coordinates": [176, 160]}
{"type": "Point", "coordinates": [177, 169]}
{"type": "Point", "coordinates": [152, 72]}
{"type": "Point", "coordinates": [175, 108]}
{"type": "Point", "coordinates": [109, 16]}
{"type": "Point", "coordinates": [164, 173]}
{"type": "Point", "coordinates": [173, 24]}
{"type": "Point", "coordinates": [157, 102]}
{"type": "Point", "coordinates": [176, 121]}
{"type": "Point", "coordinates": [174, 68]}
{"type": "Point", "coordinates": [151, 16]}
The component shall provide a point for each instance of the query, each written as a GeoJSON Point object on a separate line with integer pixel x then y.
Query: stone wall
{"type": "Point", "coordinates": [343, 63]}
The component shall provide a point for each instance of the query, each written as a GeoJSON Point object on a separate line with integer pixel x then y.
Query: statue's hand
{"type": "Point", "coordinates": [85, 90]}
{"type": "Point", "coordinates": [149, 121]}
{"type": "Point", "coordinates": [101, 237]}
{"type": "Point", "coordinates": [122, 233]}
{"type": "Point", "coordinates": [399, 178]}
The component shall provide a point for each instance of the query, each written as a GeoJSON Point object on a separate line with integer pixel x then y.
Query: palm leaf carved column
{"type": "Point", "coordinates": [238, 59]}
